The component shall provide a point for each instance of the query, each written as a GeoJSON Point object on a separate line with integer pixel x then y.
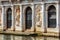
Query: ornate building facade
{"type": "Point", "coordinates": [30, 15]}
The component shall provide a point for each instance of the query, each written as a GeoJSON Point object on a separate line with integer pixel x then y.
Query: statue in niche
{"type": "Point", "coordinates": [17, 16]}
{"type": "Point", "coordinates": [38, 16]}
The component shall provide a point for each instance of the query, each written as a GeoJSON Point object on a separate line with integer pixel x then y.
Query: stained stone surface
{"type": "Point", "coordinates": [38, 16]}
{"type": "Point", "coordinates": [17, 17]}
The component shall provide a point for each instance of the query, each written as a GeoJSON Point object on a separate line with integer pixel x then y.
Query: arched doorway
{"type": "Point", "coordinates": [28, 18]}
{"type": "Point", "coordinates": [51, 17]}
{"type": "Point", "coordinates": [9, 18]}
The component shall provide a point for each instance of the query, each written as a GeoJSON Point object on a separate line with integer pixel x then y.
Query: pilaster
{"type": "Point", "coordinates": [4, 27]}
{"type": "Point", "coordinates": [21, 17]}
{"type": "Point", "coordinates": [2, 18]}
{"type": "Point", "coordinates": [43, 19]}
{"type": "Point", "coordinates": [33, 18]}
{"type": "Point", "coordinates": [57, 17]}
{"type": "Point", "coordinates": [12, 28]}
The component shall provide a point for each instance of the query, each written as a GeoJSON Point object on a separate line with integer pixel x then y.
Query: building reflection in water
{"type": "Point", "coordinates": [45, 38]}
{"type": "Point", "coordinates": [13, 37]}
{"type": "Point", "coordinates": [27, 38]}
{"type": "Point", "coordinates": [6, 37]}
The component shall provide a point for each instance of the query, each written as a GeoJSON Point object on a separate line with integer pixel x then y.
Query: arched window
{"type": "Point", "coordinates": [28, 16]}
{"type": "Point", "coordinates": [9, 18]}
{"type": "Point", "coordinates": [52, 17]}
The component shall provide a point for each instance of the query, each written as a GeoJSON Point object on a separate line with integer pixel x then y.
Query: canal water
{"type": "Point", "coordinates": [14, 37]}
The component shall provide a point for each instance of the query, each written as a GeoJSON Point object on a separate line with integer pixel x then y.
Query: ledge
{"type": "Point", "coordinates": [30, 33]}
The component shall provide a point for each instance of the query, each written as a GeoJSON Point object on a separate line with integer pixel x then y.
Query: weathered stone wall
{"type": "Point", "coordinates": [37, 10]}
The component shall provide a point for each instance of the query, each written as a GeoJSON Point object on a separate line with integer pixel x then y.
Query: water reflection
{"type": "Point", "coordinates": [6, 37]}
{"type": "Point", "coordinates": [27, 38]}
{"type": "Point", "coordinates": [13, 37]}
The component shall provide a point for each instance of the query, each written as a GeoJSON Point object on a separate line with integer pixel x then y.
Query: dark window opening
{"type": "Point", "coordinates": [52, 17]}
{"type": "Point", "coordinates": [9, 18]}
{"type": "Point", "coordinates": [28, 16]}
